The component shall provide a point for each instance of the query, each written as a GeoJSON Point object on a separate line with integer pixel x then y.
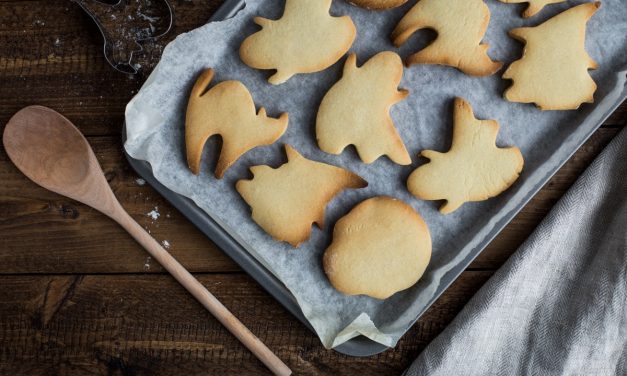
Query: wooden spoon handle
{"type": "Point", "coordinates": [213, 305]}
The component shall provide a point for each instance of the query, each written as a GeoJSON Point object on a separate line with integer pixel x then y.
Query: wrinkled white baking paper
{"type": "Point", "coordinates": [155, 130]}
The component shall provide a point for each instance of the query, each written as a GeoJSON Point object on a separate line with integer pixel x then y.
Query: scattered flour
{"type": "Point", "coordinates": [147, 263]}
{"type": "Point", "coordinates": [165, 244]}
{"type": "Point", "coordinates": [139, 181]}
{"type": "Point", "coordinates": [147, 18]}
{"type": "Point", "coordinates": [154, 213]}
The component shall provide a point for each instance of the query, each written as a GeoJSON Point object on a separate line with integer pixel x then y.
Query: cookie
{"type": "Point", "coordinates": [534, 5]}
{"type": "Point", "coordinates": [306, 39]}
{"type": "Point", "coordinates": [460, 25]}
{"type": "Point", "coordinates": [228, 110]}
{"type": "Point", "coordinates": [378, 4]}
{"type": "Point", "coordinates": [286, 201]}
{"type": "Point", "coordinates": [553, 71]}
{"type": "Point", "coordinates": [474, 169]}
{"type": "Point", "coordinates": [380, 247]}
{"type": "Point", "coordinates": [356, 110]}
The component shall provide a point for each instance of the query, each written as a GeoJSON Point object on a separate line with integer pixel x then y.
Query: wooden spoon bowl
{"type": "Point", "coordinates": [53, 153]}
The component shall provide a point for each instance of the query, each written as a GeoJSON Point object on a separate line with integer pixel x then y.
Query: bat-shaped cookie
{"type": "Point", "coordinates": [287, 200]}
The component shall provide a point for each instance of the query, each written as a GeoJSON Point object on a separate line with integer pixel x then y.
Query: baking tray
{"type": "Point", "coordinates": [358, 346]}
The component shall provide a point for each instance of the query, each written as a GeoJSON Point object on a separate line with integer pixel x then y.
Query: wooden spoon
{"type": "Point", "coordinates": [53, 153]}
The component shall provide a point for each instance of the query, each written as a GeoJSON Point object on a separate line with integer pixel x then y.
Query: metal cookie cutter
{"type": "Point", "coordinates": [125, 24]}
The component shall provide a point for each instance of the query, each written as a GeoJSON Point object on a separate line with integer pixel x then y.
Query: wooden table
{"type": "Point", "coordinates": [78, 295]}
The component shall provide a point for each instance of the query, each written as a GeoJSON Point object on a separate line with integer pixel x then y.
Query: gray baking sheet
{"type": "Point", "coordinates": [155, 133]}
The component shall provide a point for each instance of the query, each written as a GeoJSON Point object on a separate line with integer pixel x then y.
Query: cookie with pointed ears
{"type": "Point", "coordinates": [226, 109]}
{"type": "Point", "coordinates": [356, 110]}
{"type": "Point", "coordinates": [382, 246]}
{"type": "Point", "coordinates": [474, 169]}
{"type": "Point", "coordinates": [553, 71]}
{"type": "Point", "coordinates": [460, 25]}
{"type": "Point", "coordinates": [305, 39]}
{"type": "Point", "coordinates": [286, 201]}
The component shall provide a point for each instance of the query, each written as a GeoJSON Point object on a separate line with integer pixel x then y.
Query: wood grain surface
{"type": "Point", "coordinates": [79, 296]}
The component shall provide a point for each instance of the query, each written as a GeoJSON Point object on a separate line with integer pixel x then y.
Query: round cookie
{"type": "Point", "coordinates": [380, 247]}
{"type": "Point", "coordinates": [377, 4]}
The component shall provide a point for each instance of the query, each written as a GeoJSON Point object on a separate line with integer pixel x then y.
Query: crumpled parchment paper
{"type": "Point", "coordinates": [155, 131]}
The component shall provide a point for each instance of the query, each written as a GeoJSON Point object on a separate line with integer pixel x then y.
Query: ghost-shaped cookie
{"type": "Point", "coordinates": [227, 109]}
{"type": "Point", "coordinates": [380, 247]}
{"type": "Point", "coordinates": [305, 39]}
{"type": "Point", "coordinates": [553, 71]}
{"type": "Point", "coordinates": [474, 169]}
{"type": "Point", "coordinates": [460, 25]}
{"type": "Point", "coordinates": [356, 110]}
{"type": "Point", "coordinates": [286, 201]}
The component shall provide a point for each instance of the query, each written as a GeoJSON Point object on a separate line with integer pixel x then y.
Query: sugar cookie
{"type": "Point", "coordinates": [553, 71]}
{"type": "Point", "coordinates": [286, 201]}
{"type": "Point", "coordinates": [534, 5]}
{"type": "Point", "coordinates": [378, 4]}
{"type": "Point", "coordinates": [380, 247]}
{"type": "Point", "coordinates": [226, 109]}
{"type": "Point", "coordinates": [356, 110]}
{"type": "Point", "coordinates": [306, 39]}
{"type": "Point", "coordinates": [474, 169]}
{"type": "Point", "coordinates": [460, 25]}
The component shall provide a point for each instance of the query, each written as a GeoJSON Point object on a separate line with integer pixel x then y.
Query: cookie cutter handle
{"type": "Point", "coordinates": [114, 54]}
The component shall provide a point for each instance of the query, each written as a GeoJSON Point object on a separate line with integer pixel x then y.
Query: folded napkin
{"type": "Point", "coordinates": [559, 305]}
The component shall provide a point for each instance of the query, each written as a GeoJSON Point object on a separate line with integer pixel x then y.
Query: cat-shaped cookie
{"type": "Point", "coordinates": [226, 109]}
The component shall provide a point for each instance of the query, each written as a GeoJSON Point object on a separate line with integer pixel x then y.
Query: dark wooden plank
{"type": "Point", "coordinates": [41, 232]}
{"type": "Point", "coordinates": [51, 54]}
{"type": "Point", "coordinates": [149, 325]}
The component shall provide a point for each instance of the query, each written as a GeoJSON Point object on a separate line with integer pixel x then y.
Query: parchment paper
{"type": "Point", "coordinates": [155, 127]}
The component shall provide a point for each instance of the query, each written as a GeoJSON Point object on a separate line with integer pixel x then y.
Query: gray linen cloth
{"type": "Point", "coordinates": [558, 306]}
